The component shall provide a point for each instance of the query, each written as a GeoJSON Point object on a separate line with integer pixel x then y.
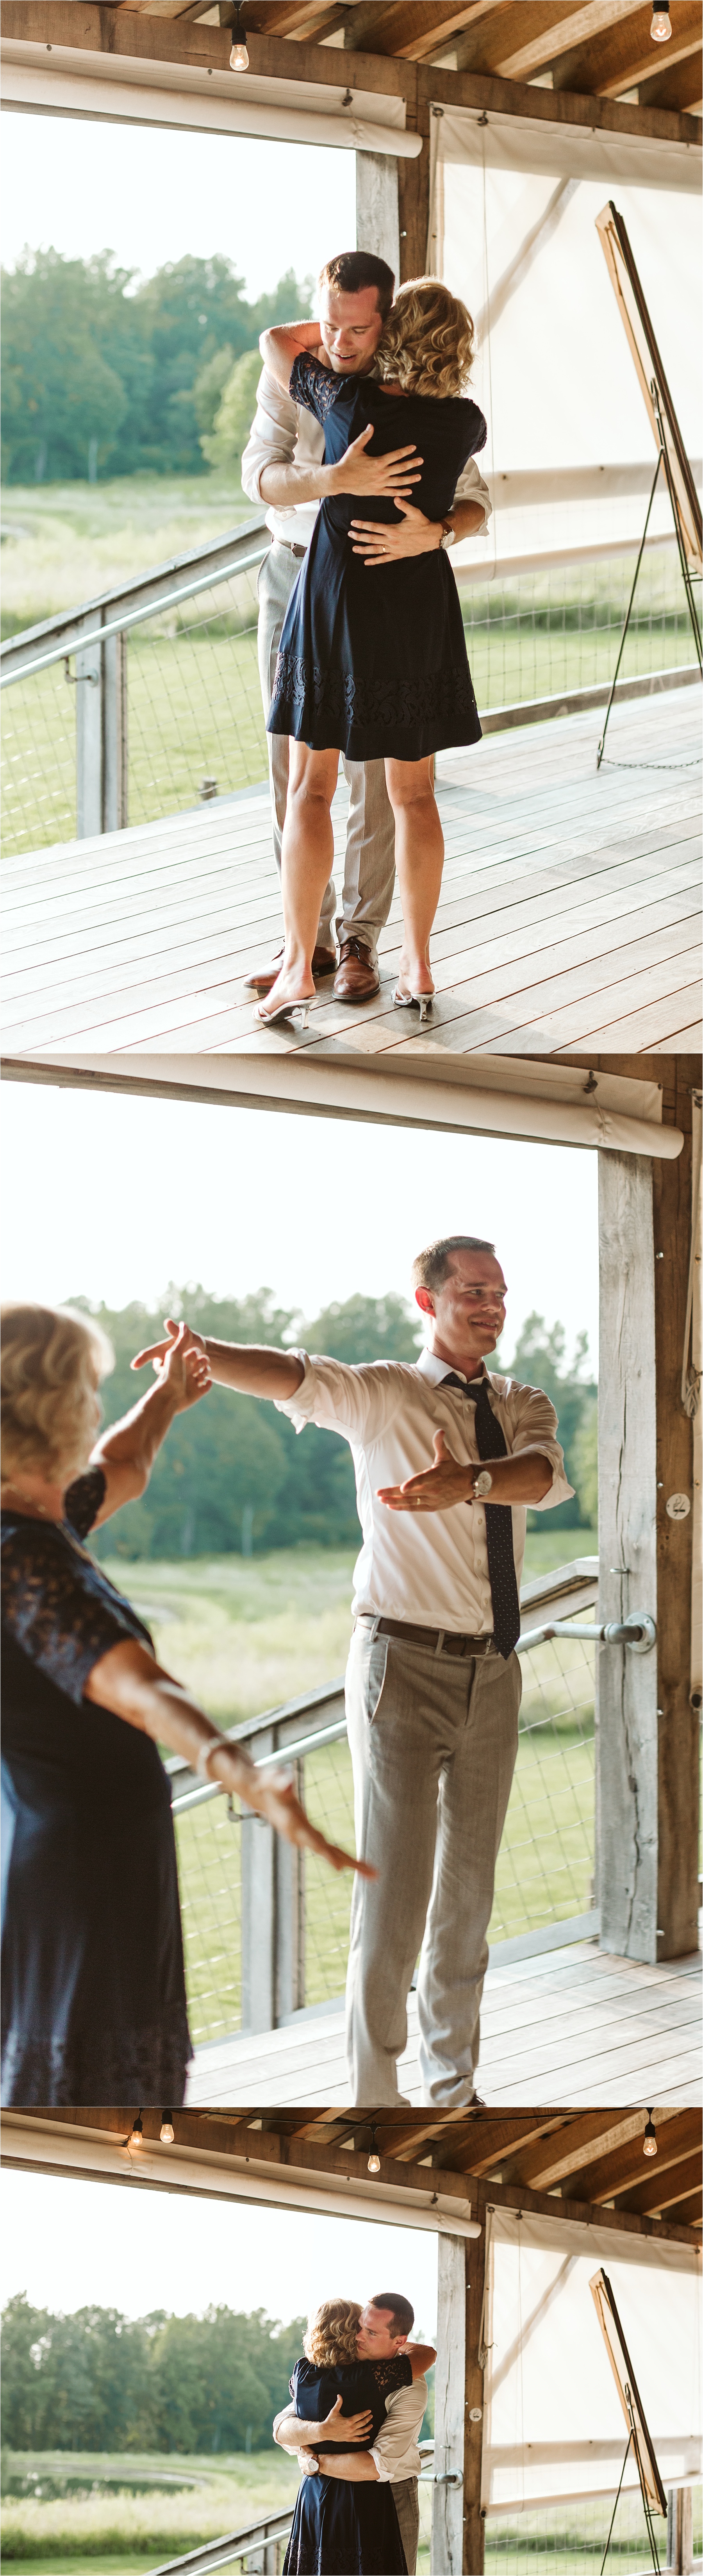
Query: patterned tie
{"type": "Point", "coordinates": [491, 1443]}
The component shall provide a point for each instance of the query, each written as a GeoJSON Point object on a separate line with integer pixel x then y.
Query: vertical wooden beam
{"type": "Point", "coordinates": [448, 2499]}
{"type": "Point", "coordinates": [475, 2264]}
{"type": "Point", "coordinates": [377, 221]}
{"type": "Point", "coordinates": [414, 194]}
{"type": "Point", "coordinates": [677, 1767]}
{"type": "Point", "coordinates": [626, 1683]}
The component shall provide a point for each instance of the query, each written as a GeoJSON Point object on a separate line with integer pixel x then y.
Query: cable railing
{"type": "Point", "coordinates": [566, 2538]}
{"type": "Point", "coordinates": [266, 1928]}
{"type": "Point", "coordinates": [146, 701]}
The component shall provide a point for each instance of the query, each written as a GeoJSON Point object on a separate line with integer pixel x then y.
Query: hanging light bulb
{"type": "Point", "coordinates": [660, 29]}
{"type": "Point", "coordinates": [137, 2135]}
{"type": "Point", "coordinates": [649, 2143]}
{"type": "Point", "coordinates": [239, 59]}
{"type": "Point", "coordinates": [374, 2163]}
{"type": "Point", "coordinates": [166, 2129]}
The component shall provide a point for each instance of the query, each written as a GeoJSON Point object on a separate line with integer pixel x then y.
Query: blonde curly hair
{"type": "Point", "coordinates": [427, 344]}
{"type": "Point", "coordinates": [51, 1358]}
{"type": "Point", "coordinates": [332, 2331]}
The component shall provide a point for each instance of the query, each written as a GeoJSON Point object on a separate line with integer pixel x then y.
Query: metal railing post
{"type": "Point", "coordinates": [259, 1873]}
{"type": "Point", "coordinates": [289, 1864]}
{"type": "Point", "coordinates": [101, 736]}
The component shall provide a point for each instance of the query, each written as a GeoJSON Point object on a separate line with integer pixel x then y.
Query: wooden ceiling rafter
{"type": "Point", "coordinates": [572, 27]}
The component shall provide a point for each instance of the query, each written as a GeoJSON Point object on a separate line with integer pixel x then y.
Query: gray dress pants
{"type": "Point", "coordinates": [433, 1743]}
{"type": "Point", "coordinates": [407, 2505]}
{"type": "Point", "coordinates": [369, 865]}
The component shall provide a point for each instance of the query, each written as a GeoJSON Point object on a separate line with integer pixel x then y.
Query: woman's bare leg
{"type": "Point", "coordinates": [419, 858]}
{"type": "Point", "coordinates": [306, 861]}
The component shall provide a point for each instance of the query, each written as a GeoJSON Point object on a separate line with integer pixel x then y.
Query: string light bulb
{"type": "Point", "coordinates": [166, 2132]}
{"type": "Point", "coordinates": [137, 2135]}
{"type": "Point", "coordinates": [649, 2143]}
{"type": "Point", "coordinates": [239, 59]}
{"type": "Point", "coordinates": [374, 2162]}
{"type": "Point", "coordinates": [660, 29]}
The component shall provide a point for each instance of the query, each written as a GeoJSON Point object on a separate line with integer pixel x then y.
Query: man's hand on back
{"type": "Point", "coordinates": [417, 536]}
{"type": "Point", "coordinates": [393, 474]}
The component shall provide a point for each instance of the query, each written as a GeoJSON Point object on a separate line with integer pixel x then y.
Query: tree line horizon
{"type": "Point", "coordinates": [233, 1477]}
{"type": "Point", "coordinates": [104, 376]}
{"type": "Point", "coordinates": [96, 2380]}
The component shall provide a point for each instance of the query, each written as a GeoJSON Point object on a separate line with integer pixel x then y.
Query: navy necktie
{"type": "Point", "coordinates": [491, 1443]}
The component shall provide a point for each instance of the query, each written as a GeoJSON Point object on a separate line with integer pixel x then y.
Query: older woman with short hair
{"type": "Point", "coordinates": [94, 2002]}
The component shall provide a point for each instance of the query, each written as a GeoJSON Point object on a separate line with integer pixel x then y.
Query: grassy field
{"type": "Point", "coordinates": [194, 705]}
{"type": "Point", "coordinates": [248, 1634]}
{"type": "Point", "coordinates": [112, 2527]}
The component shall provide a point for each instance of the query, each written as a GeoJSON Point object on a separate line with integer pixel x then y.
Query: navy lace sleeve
{"type": "Point", "coordinates": [477, 428]}
{"type": "Point", "coordinates": [59, 1607]}
{"type": "Point", "coordinates": [82, 1501]}
{"type": "Point", "coordinates": [314, 387]}
{"type": "Point", "coordinates": [396, 2373]}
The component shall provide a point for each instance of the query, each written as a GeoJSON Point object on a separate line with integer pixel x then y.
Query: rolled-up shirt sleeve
{"type": "Point", "coordinates": [534, 1426]}
{"type": "Point", "coordinates": [395, 2450]}
{"type": "Point", "coordinates": [273, 435]}
{"type": "Point", "coordinates": [471, 487]}
{"type": "Point", "coordinates": [356, 1402]}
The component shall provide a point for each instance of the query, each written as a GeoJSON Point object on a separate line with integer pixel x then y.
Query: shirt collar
{"type": "Point", "coordinates": [435, 1369]}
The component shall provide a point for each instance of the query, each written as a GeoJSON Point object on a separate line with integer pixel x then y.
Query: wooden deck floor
{"type": "Point", "coordinates": [572, 2026]}
{"type": "Point", "coordinates": [569, 911]}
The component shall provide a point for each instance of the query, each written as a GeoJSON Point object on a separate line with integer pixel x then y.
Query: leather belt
{"type": "Point", "coordinates": [438, 1640]}
{"type": "Point", "coordinates": [290, 549]}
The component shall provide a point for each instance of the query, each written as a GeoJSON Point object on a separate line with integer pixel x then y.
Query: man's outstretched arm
{"type": "Point", "coordinates": [249, 1367]}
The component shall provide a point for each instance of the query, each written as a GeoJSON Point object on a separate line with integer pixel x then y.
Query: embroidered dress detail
{"type": "Point", "coordinates": [309, 693]}
{"type": "Point", "coordinates": [314, 387]}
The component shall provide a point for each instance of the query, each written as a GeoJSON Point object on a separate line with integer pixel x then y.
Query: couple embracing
{"type": "Point", "coordinates": [358, 2399]}
{"type": "Point", "coordinates": [375, 672]}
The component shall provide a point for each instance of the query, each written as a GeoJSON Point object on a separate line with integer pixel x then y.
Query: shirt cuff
{"type": "Point", "coordinates": [384, 2474]}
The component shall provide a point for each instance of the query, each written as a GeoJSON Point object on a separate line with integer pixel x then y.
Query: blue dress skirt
{"type": "Point", "coordinates": [374, 663]}
{"type": "Point", "coordinates": [94, 2004]}
{"type": "Point", "coordinates": [342, 2528]}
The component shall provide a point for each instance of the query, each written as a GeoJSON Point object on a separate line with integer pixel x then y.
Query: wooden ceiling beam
{"type": "Point", "coordinates": [571, 27]}
{"type": "Point", "coordinates": [680, 89]}
{"type": "Point", "coordinates": [600, 67]}
{"type": "Point", "coordinates": [662, 2190]}
{"type": "Point", "coordinates": [648, 66]}
{"type": "Point", "coordinates": [594, 2134]}
{"type": "Point", "coordinates": [406, 28]}
{"type": "Point", "coordinates": [624, 2168]}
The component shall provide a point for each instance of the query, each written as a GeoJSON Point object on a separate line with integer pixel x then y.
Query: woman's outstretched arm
{"type": "Point", "coordinates": [126, 1451]}
{"type": "Point", "coordinates": [129, 1681]}
{"type": "Point", "coordinates": [281, 346]}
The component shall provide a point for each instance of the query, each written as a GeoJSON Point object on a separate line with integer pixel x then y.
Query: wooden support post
{"type": "Point", "coordinates": [678, 1721]}
{"type": "Point", "coordinates": [414, 199]}
{"type": "Point", "coordinates": [647, 1743]}
{"type": "Point", "coordinates": [679, 2531]}
{"type": "Point", "coordinates": [626, 1683]}
{"type": "Point", "coordinates": [377, 207]}
{"type": "Point", "coordinates": [448, 2489]}
{"type": "Point", "coordinates": [475, 2263]}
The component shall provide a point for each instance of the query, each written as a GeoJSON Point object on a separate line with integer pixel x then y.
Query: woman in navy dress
{"type": "Point", "coordinates": [342, 2528]}
{"type": "Point", "coordinates": [94, 2001]}
{"type": "Point", "coordinates": [377, 672]}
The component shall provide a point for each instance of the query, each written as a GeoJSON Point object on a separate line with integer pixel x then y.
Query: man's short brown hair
{"type": "Point", "coordinates": [431, 1268]}
{"type": "Point", "coordinates": [352, 270]}
{"type": "Point", "coordinates": [402, 2315]}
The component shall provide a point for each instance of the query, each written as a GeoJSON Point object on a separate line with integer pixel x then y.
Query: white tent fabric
{"type": "Point", "coordinates": [130, 90]}
{"type": "Point", "coordinates": [566, 150]}
{"type": "Point", "coordinates": [553, 371]}
{"type": "Point", "coordinates": [554, 2427]}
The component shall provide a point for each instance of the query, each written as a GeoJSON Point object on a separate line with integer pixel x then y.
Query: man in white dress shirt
{"type": "Point", "coordinates": [395, 2458]}
{"type": "Point", "coordinates": [283, 466]}
{"type": "Point", "coordinates": [433, 1682]}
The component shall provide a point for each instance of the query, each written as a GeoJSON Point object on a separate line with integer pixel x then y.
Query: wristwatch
{"type": "Point", "coordinates": [448, 536]}
{"type": "Point", "coordinates": [483, 1483]}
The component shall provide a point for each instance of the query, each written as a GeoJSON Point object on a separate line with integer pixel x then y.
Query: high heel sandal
{"type": "Point", "coordinates": [285, 1011]}
{"type": "Point", "coordinates": [421, 1002]}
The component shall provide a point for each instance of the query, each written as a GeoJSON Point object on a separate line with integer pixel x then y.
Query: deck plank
{"type": "Point", "coordinates": [575, 2026]}
{"type": "Point", "coordinates": [139, 940]}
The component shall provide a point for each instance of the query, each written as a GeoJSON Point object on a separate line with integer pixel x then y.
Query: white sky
{"type": "Point", "coordinates": [153, 197]}
{"type": "Point", "coordinates": [70, 2243]}
{"type": "Point", "coordinates": [115, 1197]}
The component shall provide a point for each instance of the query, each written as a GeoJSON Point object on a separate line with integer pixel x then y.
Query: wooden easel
{"type": "Point", "coordinates": [671, 455]}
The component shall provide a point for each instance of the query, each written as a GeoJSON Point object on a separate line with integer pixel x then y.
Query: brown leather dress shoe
{"type": "Point", "coordinates": [261, 978]}
{"type": "Point", "coordinates": [356, 978]}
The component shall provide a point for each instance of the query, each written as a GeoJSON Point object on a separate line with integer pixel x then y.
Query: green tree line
{"type": "Point", "coordinates": [102, 376]}
{"type": "Point", "coordinates": [99, 2381]}
{"type": "Point", "coordinates": [234, 1476]}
